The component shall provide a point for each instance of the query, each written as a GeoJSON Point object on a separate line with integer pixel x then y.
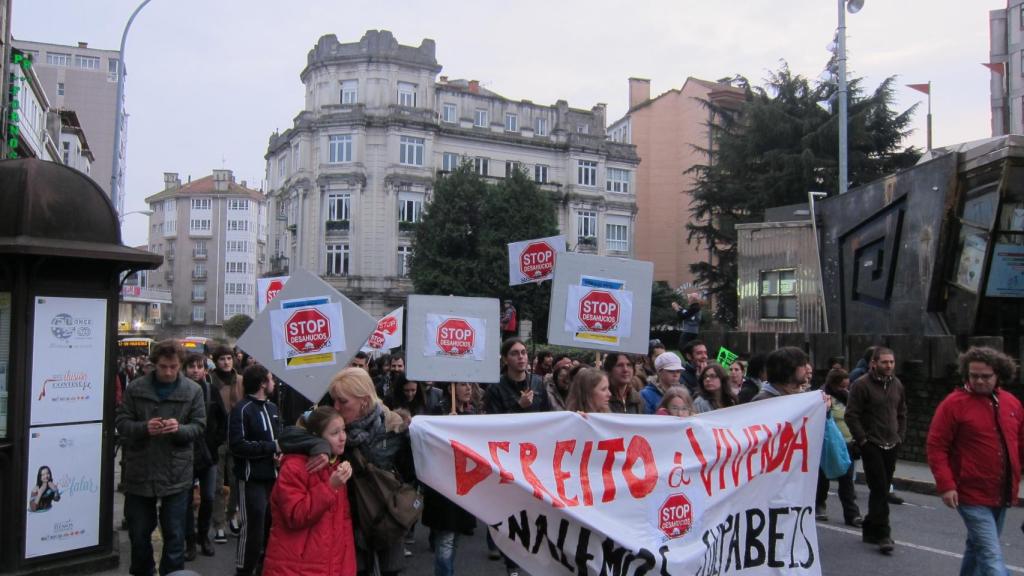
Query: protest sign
{"type": "Point", "coordinates": [533, 260]}
{"type": "Point", "coordinates": [267, 289]}
{"type": "Point", "coordinates": [388, 333]}
{"type": "Point", "coordinates": [452, 339]}
{"type": "Point", "coordinates": [307, 334]}
{"type": "Point", "coordinates": [601, 303]}
{"type": "Point", "coordinates": [729, 490]}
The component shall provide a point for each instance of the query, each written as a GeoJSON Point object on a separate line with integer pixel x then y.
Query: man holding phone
{"type": "Point", "coordinates": [162, 415]}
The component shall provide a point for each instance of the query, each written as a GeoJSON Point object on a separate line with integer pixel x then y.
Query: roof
{"type": "Point", "coordinates": [205, 186]}
{"type": "Point", "coordinates": [718, 87]}
{"type": "Point", "coordinates": [462, 85]}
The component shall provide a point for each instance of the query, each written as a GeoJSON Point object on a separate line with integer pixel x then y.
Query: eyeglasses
{"type": "Point", "coordinates": [982, 377]}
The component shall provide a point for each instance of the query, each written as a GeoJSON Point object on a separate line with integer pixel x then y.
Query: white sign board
{"type": "Point", "coordinates": [533, 260]}
{"type": "Point", "coordinates": [62, 511]}
{"type": "Point", "coordinates": [307, 310]}
{"type": "Point", "coordinates": [627, 494]}
{"type": "Point", "coordinates": [267, 289]}
{"type": "Point", "coordinates": [69, 349]}
{"type": "Point", "coordinates": [388, 333]}
{"type": "Point", "coordinates": [601, 303]}
{"type": "Point", "coordinates": [452, 339]}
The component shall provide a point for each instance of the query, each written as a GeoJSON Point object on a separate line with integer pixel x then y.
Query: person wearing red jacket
{"type": "Point", "coordinates": [974, 451]}
{"type": "Point", "coordinates": [312, 529]}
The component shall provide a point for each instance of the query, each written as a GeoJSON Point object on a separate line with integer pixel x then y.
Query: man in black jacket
{"type": "Point", "coordinates": [253, 428]}
{"type": "Point", "coordinates": [518, 390]}
{"type": "Point", "coordinates": [205, 459]}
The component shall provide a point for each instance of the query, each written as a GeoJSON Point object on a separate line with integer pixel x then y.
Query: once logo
{"type": "Point", "coordinates": [675, 516]}
{"type": "Point", "coordinates": [307, 331]}
{"type": "Point", "coordinates": [537, 260]}
{"type": "Point", "coordinates": [599, 311]}
{"type": "Point", "coordinates": [387, 325]}
{"type": "Point", "coordinates": [273, 288]}
{"type": "Point", "coordinates": [456, 337]}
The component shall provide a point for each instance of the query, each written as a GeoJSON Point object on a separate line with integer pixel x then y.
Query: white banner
{"type": "Point", "coordinates": [63, 487]}
{"type": "Point", "coordinates": [455, 336]}
{"type": "Point", "coordinates": [533, 260]}
{"type": "Point", "coordinates": [728, 491]}
{"type": "Point", "coordinates": [388, 333]}
{"type": "Point", "coordinates": [307, 332]}
{"type": "Point", "coordinates": [267, 288]}
{"type": "Point", "coordinates": [598, 314]}
{"type": "Point", "coordinates": [68, 353]}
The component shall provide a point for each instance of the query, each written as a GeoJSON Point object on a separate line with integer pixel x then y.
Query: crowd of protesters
{"type": "Point", "coordinates": [197, 422]}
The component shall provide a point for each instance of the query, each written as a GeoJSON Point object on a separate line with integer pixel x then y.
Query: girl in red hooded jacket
{"type": "Point", "coordinates": [312, 529]}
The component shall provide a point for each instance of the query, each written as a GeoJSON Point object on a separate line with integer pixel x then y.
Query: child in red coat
{"type": "Point", "coordinates": [311, 532]}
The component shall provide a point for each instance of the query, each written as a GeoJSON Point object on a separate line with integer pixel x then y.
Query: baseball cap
{"type": "Point", "coordinates": [668, 361]}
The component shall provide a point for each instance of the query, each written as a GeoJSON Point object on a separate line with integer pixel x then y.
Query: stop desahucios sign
{"type": "Point", "coordinates": [675, 516]}
{"type": "Point", "coordinates": [537, 260]}
{"type": "Point", "coordinates": [307, 331]}
{"type": "Point", "coordinates": [455, 337]}
{"type": "Point", "coordinates": [599, 311]}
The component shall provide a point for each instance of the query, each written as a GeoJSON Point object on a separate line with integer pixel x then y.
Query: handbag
{"type": "Point", "coordinates": [835, 457]}
{"type": "Point", "coordinates": [385, 508]}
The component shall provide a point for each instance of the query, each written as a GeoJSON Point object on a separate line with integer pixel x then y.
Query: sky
{"type": "Point", "coordinates": [209, 80]}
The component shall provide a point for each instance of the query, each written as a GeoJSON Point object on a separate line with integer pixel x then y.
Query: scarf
{"type": "Point", "coordinates": [366, 428]}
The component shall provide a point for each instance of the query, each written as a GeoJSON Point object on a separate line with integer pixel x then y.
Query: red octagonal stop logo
{"type": "Point", "coordinates": [455, 336]}
{"type": "Point", "coordinates": [675, 516]}
{"type": "Point", "coordinates": [537, 260]}
{"type": "Point", "coordinates": [599, 311]}
{"type": "Point", "coordinates": [307, 331]}
{"type": "Point", "coordinates": [273, 288]}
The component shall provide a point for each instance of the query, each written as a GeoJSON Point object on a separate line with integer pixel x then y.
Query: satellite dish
{"type": "Point", "coordinates": [854, 6]}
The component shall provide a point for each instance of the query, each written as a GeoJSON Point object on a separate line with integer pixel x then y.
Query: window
{"type": "Point", "coordinates": [349, 91]}
{"type": "Point", "coordinates": [338, 206]}
{"type": "Point", "coordinates": [409, 210]}
{"type": "Point", "coordinates": [340, 148]}
{"type": "Point", "coordinates": [282, 165]}
{"type": "Point", "coordinates": [511, 123]}
{"type": "Point", "coordinates": [449, 114]}
{"type": "Point", "coordinates": [540, 174]}
{"type": "Point", "coordinates": [586, 225]}
{"type": "Point", "coordinates": [410, 151]}
{"type": "Point", "coordinates": [449, 161]}
{"type": "Point", "coordinates": [198, 313]}
{"type": "Point", "coordinates": [540, 126]}
{"type": "Point", "coordinates": [480, 119]}
{"type": "Point", "coordinates": [618, 180]}
{"type": "Point", "coordinates": [238, 225]}
{"type": "Point", "coordinates": [66, 152]}
{"type": "Point", "coordinates": [112, 69]}
{"type": "Point", "coordinates": [583, 128]}
{"type": "Point", "coordinates": [617, 236]}
{"type": "Point", "coordinates": [87, 62]}
{"type": "Point", "coordinates": [58, 59]}
{"type": "Point", "coordinates": [199, 271]}
{"type": "Point", "coordinates": [778, 295]}
{"type": "Point", "coordinates": [295, 156]}
{"type": "Point", "coordinates": [231, 267]}
{"type": "Point", "coordinates": [337, 259]}
{"type": "Point", "coordinates": [198, 292]}
{"type": "Point", "coordinates": [511, 166]}
{"type": "Point", "coordinates": [199, 248]}
{"type": "Point", "coordinates": [199, 225]}
{"type": "Point", "coordinates": [404, 260]}
{"type": "Point", "coordinates": [60, 88]}
{"type": "Point", "coordinates": [406, 94]}
{"type": "Point", "coordinates": [201, 203]}
{"type": "Point", "coordinates": [480, 165]}
{"type": "Point", "coordinates": [238, 204]}
{"type": "Point", "coordinates": [586, 173]}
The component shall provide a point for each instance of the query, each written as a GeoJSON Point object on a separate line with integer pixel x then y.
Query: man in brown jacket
{"type": "Point", "coordinates": [225, 380]}
{"type": "Point", "coordinates": [877, 417]}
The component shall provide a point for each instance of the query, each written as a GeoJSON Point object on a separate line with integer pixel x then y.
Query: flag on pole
{"type": "Point", "coordinates": [923, 88]}
{"type": "Point", "coordinates": [997, 67]}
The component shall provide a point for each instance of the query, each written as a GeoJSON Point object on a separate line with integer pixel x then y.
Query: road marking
{"type": "Point", "coordinates": [915, 546]}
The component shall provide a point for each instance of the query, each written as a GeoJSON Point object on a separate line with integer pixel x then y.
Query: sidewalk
{"type": "Point", "coordinates": [913, 477]}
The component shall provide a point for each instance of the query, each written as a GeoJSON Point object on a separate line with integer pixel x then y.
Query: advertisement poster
{"type": "Point", "coordinates": [597, 311]}
{"type": "Point", "coordinates": [1006, 273]}
{"type": "Point", "coordinates": [62, 511]}
{"type": "Point", "coordinates": [565, 494]}
{"type": "Point", "coordinates": [388, 333]}
{"type": "Point", "coordinates": [307, 332]}
{"type": "Point", "coordinates": [267, 289]}
{"type": "Point", "coordinates": [533, 260]}
{"type": "Point", "coordinates": [455, 337]}
{"type": "Point", "coordinates": [68, 351]}
{"type": "Point", "coordinates": [972, 256]}
{"type": "Point", "coordinates": [5, 355]}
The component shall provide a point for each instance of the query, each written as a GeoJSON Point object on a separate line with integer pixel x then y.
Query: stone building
{"type": "Point", "coordinates": [1006, 85]}
{"type": "Point", "coordinates": [350, 179]}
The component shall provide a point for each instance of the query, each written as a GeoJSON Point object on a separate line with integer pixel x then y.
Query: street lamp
{"type": "Point", "coordinates": [115, 177]}
{"type": "Point", "coordinates": [853, 6]}
{"type": "Point", "coordinates": [120, 217]}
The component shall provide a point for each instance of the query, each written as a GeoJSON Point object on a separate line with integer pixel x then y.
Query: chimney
{"type": "Point", "coordinates": [474, 86]}
{"type": "Point", "coordinates": [171, 181]}
{"type": "Point", "coordinates": [83, 44]}
{"type": "Point", "coordinates": [222, 179]}
{"type": "Point", "coordinates": [244, 184]}
{"type": "Point", "coordinates": [639, 91]}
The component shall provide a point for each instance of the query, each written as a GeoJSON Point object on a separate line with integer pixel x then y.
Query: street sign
{"type": "Point", "coordinates": [533, 260]}
{"type": "Point", "coordinates": [599, 311]}
{"type": "Point", "coordinates": [452, 339]}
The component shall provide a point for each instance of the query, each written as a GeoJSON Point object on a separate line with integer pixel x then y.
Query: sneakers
{"type": "Point", "coordinates": [206, 546]}
{"type": "Point", "coordinates": [235, 527]}
{"type": "Point", "coordinates": [856, 522]}
{"type": "Point", "coordinates": [894, 499]}
{"type": "Point", "coordinates": [886, 545]}
{"type": "Point", "coordinates": [821, 515]}
{"type": "Point", "coordinates": [406, 552]}
{"type": "Point", "coordinates": [495, 555]}
{"type": "Point", "coordinates": [220, 537]}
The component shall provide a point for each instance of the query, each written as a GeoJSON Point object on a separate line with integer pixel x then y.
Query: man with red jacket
{"type": "Point", "coordinates": [974, 451]}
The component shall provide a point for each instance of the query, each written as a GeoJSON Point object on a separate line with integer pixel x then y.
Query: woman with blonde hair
{"type": "Point", "coordinates": [589, 392]}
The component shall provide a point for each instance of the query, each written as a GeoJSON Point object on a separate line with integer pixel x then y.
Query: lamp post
{"type": "Point", "coordinates": [853, 6]}
{"type": "Point", "coordinates": [115, 177]}
{"type": "Point", "coordinates": [120, 217]}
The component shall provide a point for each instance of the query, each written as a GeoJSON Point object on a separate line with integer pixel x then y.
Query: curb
{"type": "Point", "coordinates": [905, 484]}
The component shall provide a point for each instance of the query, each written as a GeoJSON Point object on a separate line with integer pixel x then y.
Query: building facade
{"type": "Point", "coordinates": [83, 79]}
{"type": "Point", "coordinates": [350, 179]}
{"type": "Point", "coordinates": [30, 116]}
{"type": "Point", "coordinates": [72, 144]}
{"type": "Point", "coordinates": [212, 234]}
{"type": "Point", "coordinates": [669, 132]}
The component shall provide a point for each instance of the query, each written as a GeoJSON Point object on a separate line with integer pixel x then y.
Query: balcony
{"type": "Point", "coordinates": [337, 226]}
{"type": "Point", "coordinates": [199, 298]}
{"type": "Point", "coordinates": [169, 256]}
{"type": "Point", "coordinates": [281, 216]}
{"type": "Point", "coordinates": [293, 228]}
{"type": "Point", "coordinates": [169, 277]}
{"type": "Point", "coordinates": [406, 228]}
{"type": "Point", "coordinates": [197, 275]}
{"type": "Point", "coordinates": [586, 244]}
{"type": "Point", "coordinates": [279, 263]}
{"type": "Point", "coordinates": [199, 254]}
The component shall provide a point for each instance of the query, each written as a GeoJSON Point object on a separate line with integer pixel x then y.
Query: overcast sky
{"type": "Point", "coordinates": [209, 80]}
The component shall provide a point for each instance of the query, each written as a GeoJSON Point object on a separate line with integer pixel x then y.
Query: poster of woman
{"type": "Point", "coordinates": [45, 492]}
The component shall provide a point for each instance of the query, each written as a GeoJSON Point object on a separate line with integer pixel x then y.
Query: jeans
{"type": "Point", "coordinates": [879, 465]}
{"type": "Point", "coordinates": [983, 556]}
{"type": "Point", "coordinates": [445, 543]}
{"type": "Point", "coordinates": [847, 494]}
{"type": "Point", "coordinates": [141, 512]}
{"type": "Point", "coordinates": [207, 494]}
